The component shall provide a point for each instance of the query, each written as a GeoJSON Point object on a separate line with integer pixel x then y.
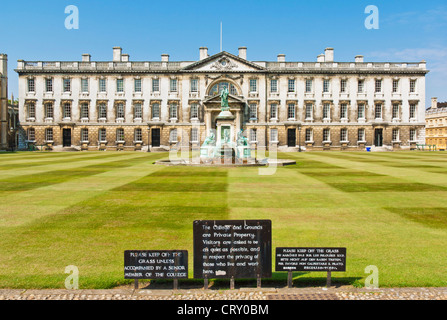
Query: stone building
{"type": "Point", "coordinates": [436, 124]}
{"type": "Point", "coordinates": [141, 105]}
{"type": "Point", "coordinates": [3, 101]}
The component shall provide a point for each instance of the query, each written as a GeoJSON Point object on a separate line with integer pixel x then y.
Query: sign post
{"type": "Point", "coordinates": [155, 264]}
{"type": "Point", "coordinates": [231, 249]}
{"type": "Point", "coordinates": [310, 259]}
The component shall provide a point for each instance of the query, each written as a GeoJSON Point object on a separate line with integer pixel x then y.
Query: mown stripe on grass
{"type": "Point", "coordinates": [430, 217]}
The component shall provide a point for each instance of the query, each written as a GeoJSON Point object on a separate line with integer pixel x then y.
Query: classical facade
{"type": "Point", "coordinates": [133, 105]}
{"type": "Point", "coordinates": [3, 101]}
{"type": "Point", "coordinates": [436, 128]}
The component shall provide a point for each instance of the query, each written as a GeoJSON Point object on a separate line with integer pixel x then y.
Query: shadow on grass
{"type": "Point", "coordinates": [278, 280]}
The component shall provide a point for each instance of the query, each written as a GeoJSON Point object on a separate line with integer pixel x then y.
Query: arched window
{"type": "Point", "coordinates": [218, 87]}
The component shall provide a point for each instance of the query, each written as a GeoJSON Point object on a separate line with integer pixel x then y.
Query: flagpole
{"type": "Point", "coordinates": [221, 36]}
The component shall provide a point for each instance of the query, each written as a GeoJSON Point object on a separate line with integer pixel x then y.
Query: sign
{"type": "Point", "coordinates": [232, 249]}
{"type": "Point", "coordinates": [155, 264]}
{"type": "Point", "coordinates": [310, 259]}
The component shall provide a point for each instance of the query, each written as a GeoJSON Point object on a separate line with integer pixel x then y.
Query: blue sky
{"type": "Point", "coordinates": [408, 31]}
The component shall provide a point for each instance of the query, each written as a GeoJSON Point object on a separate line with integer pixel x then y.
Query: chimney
{"type": "Point", "coordinates": [117, 51]}
{"type": "Point", "coordinates": [281, 58]}
{"type": "Point", "coordinates": [434, 103]}
{"type": "Point", "coordinates": [203, 53]}
{"type": "Point", "coordinates": [320, 58]}
{"type": "Point", "coordinates": [358, 59]}
{"type": "Point", "coordinates": [165, 57]}
{"type": "Point", "coordinates": [86, 57]}
{"type": "Point", "coordinates": [329, 55]}
{"type": "Point", "coordinates": [125, 57]}
{"type": "Point", "coordinates": [243, 53]}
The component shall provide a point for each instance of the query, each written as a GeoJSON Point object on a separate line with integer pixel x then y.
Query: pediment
{"type": "Point", "coordinates": [223, 62]}
{"type": "Point", "coordinates": [232, 99]}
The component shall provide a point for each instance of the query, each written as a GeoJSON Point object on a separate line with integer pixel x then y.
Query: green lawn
{"type": "Point", "coordinates": [85, 209]}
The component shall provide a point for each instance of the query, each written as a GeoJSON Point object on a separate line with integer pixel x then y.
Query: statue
{"type": "Point", "coordinates": [241, 140]}
{"type": "Point", "coordinates": [210, 140]}
{"type": "Point", "coordinates": [224, 99]}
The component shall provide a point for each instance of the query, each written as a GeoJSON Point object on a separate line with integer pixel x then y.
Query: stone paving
{"type": "Point", "coordinates": [341, 293]}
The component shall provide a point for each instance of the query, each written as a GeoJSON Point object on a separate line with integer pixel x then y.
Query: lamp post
{"type": "Point", "coordinates": [299, 138]}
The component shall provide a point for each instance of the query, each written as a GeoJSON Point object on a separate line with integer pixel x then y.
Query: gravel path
{"type": "Point", "coordinates": [343, 293]}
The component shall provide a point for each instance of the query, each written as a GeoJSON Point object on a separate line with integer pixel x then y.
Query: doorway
{"type": "Point", "coordinates": [291, 138]}
{"type": "Point", "coordinates": [378, 137]}
{"type": "Point", "coordinates": [66, 137]}
{"type": "Point", "coordinates": [155, 137]}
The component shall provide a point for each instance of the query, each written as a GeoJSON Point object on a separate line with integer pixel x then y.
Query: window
{"type": "Point", "coordinates": [66, 111]}
{"type": "Point", "coordinates": [308, 85]}
{"type": "Point", "coordinates": [194, 135]}
{"type": "Point", "coordinates": [218, 87]}
{"type": "Point", "coordinates": [326, 84]}
{"type": "Point", "coordinates": [395, 111]}
{"type": "Point", "coordinates": [291, 85]}
{"type": "Point", "coordinates": [120, 134]}
{"type": "Point", "coordinates": [273, 111]}
{"type": "Point", "coordinates": [308, 111]}
{"type": "Point", "coordinates": [412, 86]}
{"type": "Point", "coordinates": [31, 85]}
{"type": "Point", "coordinates": [173, 111]}
{"type": "Point", "coordinates": [253, 85]}
{"type": "Point", "coordinates": [31, 134]}
{"type": "Point", "coordinates": [156, 110]}
{"type": "Point", "coordinates": [49, 134]}
{"type": "Point", "coordinates": [326, 134]}
{"type": "Point", "coordinates": [173, 135]}
{"type": "Point", "coordinates": [343, 111]}
{"type": "Point", "coordinates": [343, 85]}
{"type": "Point", "coordinates": [326, 111]}
{"type": "Point", "coordinates": [378, 111]}
{"type": "Point", "coordinates": [412, 111]}
{"type": "Point", "coordinates": [49, 110]}
{"type": "Point", "coordinates": [84, 110]}
{"type": "Point", "coordinates": [137, 85]}
{"type": "Point", "coordinates": [361, 111]}
{"type": "Point", "coordinates": [194, 85]}
{"type": "Point", "coordinates": [274, 135]}
{"type": "Point", "coordinates": [49, 85]}
{"type": "Point", "coordinates": [253, 111]}
{"type": "Point", "coordinates": [344, 134]}
{"type": "Point", "coordinates": [253, 136]}
{"type": "Point", "coordinates": [173, 85]}
{"type": "Point", "coordinates": [137, 111]}
{"type": "Point", "coordinates": [309, 135]}
{"type": "Point", "coordinates": [395, 86]}
{"type": "Point", "coordinates": [102, 112]}
{"type": "Point", "coordinates": [273, 85]}
{"type": "Point", "coordinates": [119, 85]}
{"type": "Point", "coordinates": [156, 85]}
{"type": "Point", "coordinates": [291, 111]}
{"type": "Point", "coordinates": [378, 87]}
{"type": "Point", "coordinates": [194, 111]}
{"type": "Point", "coordinates": [361, 86]}
{"type": "Point", "coordinates": [102, 135]}
{"type": "Point", "coordinates": [84, 134]}
{"type": "Point", "coordinates": [413, 135]}
{"type": "Point", "coordinates": [361, 135]}
{"type": "Point", "coordinates": [67, 85]}
{"type": "Point", "coordinates": [84, 85]}
{"type": "Point", "coordinates": [395, 135]}
{"type": "Point", "coordinates": [138, 136]}
{"type": "Point", "coordinates": [120, 111]}
{"type": "Point", "coordinates": [102, 85]}
{"type": "Point", "coordinates": [31, 110]}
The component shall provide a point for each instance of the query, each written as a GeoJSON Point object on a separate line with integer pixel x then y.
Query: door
{"type": "Point", "coordinates": [291, 137]}
{"type": "Point", "coordinates": [378, 137]}
{"type": "Point", "coordinates": [66, 137]}
{"type": "Point", "coordinates": [155, 137]}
